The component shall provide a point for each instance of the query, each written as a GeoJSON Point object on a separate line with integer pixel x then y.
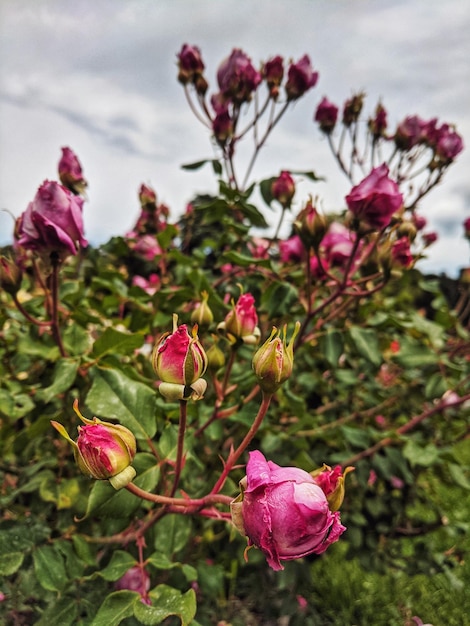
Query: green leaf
{"type": "Point", "coordinates": [418, 455]}
{"type": "Point", "coordinates": [414, 354]}
{"type": "Point", "coordinates": [458, 476]}
{"type": "Point", "coordinates": [196, 165]}
{"type": "Point", "coordinates": [61, 613]}
{"type": "Point", "coordinates": [265, 187]}
{"type": "Point", "coordinates": [65, 371]}
{"type": "Point", "coordinates": [309, 174]}
{"type": "Point", "coordinates": [120, 562]}
{"type": "Point", "coordinates": [167, 601]}
{"type": "Point", "coordinates": [243, 260]}
{"type": "Point", "coordinates": [366, 343]}
{"type": "Point", "coordinates": [172, 533]}
{"type": "Point", "coordinates": [332, 346]}
{"type": "Point", "coordinates": [114, 395]}
{"type": "Point", "coordinates": [11, 563]}
{"type": "Point", "coordinates": [280, 298]}
{"type": "Point", "coordinates": [113, 341]}
{"type": "Point", "coordinates": [116, 607]}
{"type": "Point", "coordinates": [49, 568]}
{"type": "Point", "coordinates": [15, 405]}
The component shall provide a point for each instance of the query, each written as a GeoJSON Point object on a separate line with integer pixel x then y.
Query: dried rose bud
{"type": "Point", "coordinates": [352, 109]}
{"type": "Point", "coordinates": [326, 115]}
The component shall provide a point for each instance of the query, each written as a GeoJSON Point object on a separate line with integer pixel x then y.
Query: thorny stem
{"type": "Point", "coordinates": [235, 454]}
{"type": "Point", "coordinates": [414, 421]}
{"type": "Point", "coordinates": [179, 503]}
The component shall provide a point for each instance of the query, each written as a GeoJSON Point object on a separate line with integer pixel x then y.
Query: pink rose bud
{"type": "Point", "coordinates": [401, 254]}
{"type": "Point", "coordinates": [378, 124]}
{"type": "Point", "coordinates": [135, 579]}
{"type": "Point", "coordinates": [190, 64]}
{"type": "Point", "coordinates": [430, 238]}
{"type": "Point", "coordinates": [449, 144]}
{"type": "Point", "coordinates": [352, 109]}
{"type": "Point", "coordinates": [274, 360]}
{"type": "Point", "coordinates": [332, 483]}
{"type": "Point", "coordinates": [283, 512]}
{"type": "Point", "coordinates": [70, 172]}
{"type": "Point", "coordinates": [273, 73]}
{"type": "Point", "coordinates": [237, 78]}
{"type": "Point", "coordinates": [375, 199]}
{"type": "Point", "coordinates": [52, 222]}
{"type": "Point", "coordinates": [326, 115]}
{"type": "Point", "coordinates": [10, 275]}
{"type": "Point", "coordinates": [241, 323]}
{"type": "Point", "coordinates": [300, 78]}
{"type": "Point", "coordinates": [103, 450]}
{"type": "Point", "coordinates": [411, 132]}
{"type": "Point", "coordinates": [147, 197]}
{"type": "Point", "coordinates": [311, 225]}
{"type": "Point", "coordinates": [337, 245]}
{"type": "Point", "coordinates": [222, 127]}
{"type": "Point", "coordinates": [179, 361]}
{"type": "Point", "coordinates": [283, 189]}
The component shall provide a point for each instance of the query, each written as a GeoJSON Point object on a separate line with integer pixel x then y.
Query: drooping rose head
{"type": "Point", "coordinates": [283, 512]}
{"type": "Point", "coordinates": [52, 222]}
{"type": "Point", "coordinates": [237, 78]}
{"type": "Point", "coordinates": [326, 115]}
{"type": "Point", "coordinates": [103, 450]}
{"type": "Point", "coordinates": [273, 73]}
{"type": "Point", "coordinates": [240, 323]}
{"type": "Point", "coordinates": [375, 199]}
{"type": "Point", "coordinates": [70, 172]}
{"type": "Point", "coordinates": [300, 78]}
{"type": "Point", "coordinates": [179, 361]}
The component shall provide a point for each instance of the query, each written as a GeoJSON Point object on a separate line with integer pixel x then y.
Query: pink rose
{"type": "Point", "coordinates": [291, 250]}
{"type": "Point", "coordinates": [70, 172]}
{"type": "Point", "coordinates": [284, 512]}
{"type": "Point", "coordinates": [300, 78]}
{"type": "Point", "coordinates": [326, 115]}
{"type": "Point", "coordinates": [52, 222]}
{"type": "Point", "coordinates": [466, 227]}
{"type": "Point", "coordinates": [375, 199]}
{"type": "Point", "coordinates": [241, 322]}
{"type": "Point", "coordinates": [237, 78]}
{"type": "Point", "coordinates": [190, 64]}
{"type": "Point", "coordinates": [147, 195]}
{"type": "Point", "coordinates": [135, 579]}
{"type": "Point", "coordinates": [449, 143]}
{"type": "Point", "coordinates": [401, 254]}
{"type": "Point", "coordinates": [273, 72]}
{"type": "Point", "coordinates": [146, 246]}
{"type": "Point", "coordinates": [337, 245]}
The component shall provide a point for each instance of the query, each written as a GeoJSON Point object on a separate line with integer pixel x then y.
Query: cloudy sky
{"type": "Point", "coordinates": [100, 76]}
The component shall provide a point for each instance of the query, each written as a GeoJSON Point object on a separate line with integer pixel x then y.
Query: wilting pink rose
{"type": "Point", "coordinates": [449, 143]}
{"type": "Point", "coordinates": [241, 322]}
{"type": "Point", "coordinates": [145, 246]}
{"type": "Point", "coordinates": [375, 199]}
{"type": "Point", "coordinates": [70, 172]}
{"type": "Point", "coordinates": [284, 512]}
{"type": "Point", "coordinates": [401, 254]}
{"type": "Point", "coordinates": [190, 63]}
{"type": "Point", "coordinates": [273, 72]}
{"type": "Point", "coordinates": [378, 123]}
{"type": "Point", "coordinates": [237, 78]}
{"type": "Point", "coordinates": [291, 250]}
{"type": "Point", "coordinates": [326, 115]}
{"type": "Point", "coordinates": [430, 238]}
{"type": "Point", "coordinates": [466, 227]}
{"type": "Point", "coordinates": [410, 132]}
{"type": "Point", "coordinates": [337, 245]}
{"type": "Point", "coordinates": [300, 78]}
{"type": "Point", "coordinates": [52, 222]}
{"type": "Point", "coordinates": [283, 189]}
{"type": "Point", "coordinates": [352, 109]}
{"type": "Point", "coordinates": [222, 127]}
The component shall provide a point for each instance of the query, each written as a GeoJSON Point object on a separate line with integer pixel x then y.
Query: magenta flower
{"type": "Point", "coordinates": [147, 195]}
{"type": "Point", "coordinates": [375, 199]}
{"type": "Point", "coordinates": [70, 172]}
{"type": "Point", "coordinates": [240, 323]}
{"type": "Point", "coordinates": [300, 78]}
{"type": "Point", "coordinates": [135, 579]}
{"type": "Point", "coordinates": [103, 450]}
{"type": "Point", "coordinates": [449, 143]}
{"type": "Point", "coordinates": [284, 512]}
{"type": "Point", "coordinates": [411, 131]}
{"type": "Point", "coordinates": [283, 189]}
{"type": "Point", "coordinates": [190, 64]}
{"type": "Point", "coordinates": [401, 254]}
{"type": "Point", "coordinates": [378, 124]}
{"type": "Point", "coordinates": [291, 250]}
{"type": "Point", "coordinates": [237, 78]}
{"type": "Point", "coordinates": [52, 222]}
{"type": "Point", "coordinates": [179, 360]}
{"type": "Point", "coordinates": [273, 73]}
{"type": "Point", "coordinates": [466, 228]}
{"type": "Point", "coordinates": [326, 115]}
{"type": "Point", "coordinates": [337, 245]}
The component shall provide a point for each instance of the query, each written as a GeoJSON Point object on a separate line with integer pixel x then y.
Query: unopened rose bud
{"type": "Point", "coordinates": [283, 189]}
{"type": "Point", "coordinates": [103, 450]}
{"type": "Point", "coordinates": [202, 315]}
{"type": "Point", "coordinates": [378, 124]}
{"type": "Point", "coordinates": [10, 275]}
{"type": "Point", "coordinates": [240, 323]}
{"type": "Point", "coordinates": [190, 64]}
{"type": "Point", "coordinates": [215, 357]}
{"type": "Point", "coordinates": [352, 109]}
{"type": "Point", "coordinates": [326, 116]}
{"type": "Point", "coordinates": [237, 77]}
{"type": "Point", "coordinates": [70, 172]}
{"type": "Point", "coordinates": [407, 229]}
{"type": "Point", "coordinates": [332, 483]}
{"type": "Point", "coordinates": [222, 127]}
{"type": "Point", "coordinates": [179, 360]}
{"type": "Point", "coordinates": [273, 73]}
{"type": "Point", "coordinates": [311, 225]}
{"type": "Point", "coordinates": [274, 360]}
{"type": "Point", "coordinates": [147, 197]}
